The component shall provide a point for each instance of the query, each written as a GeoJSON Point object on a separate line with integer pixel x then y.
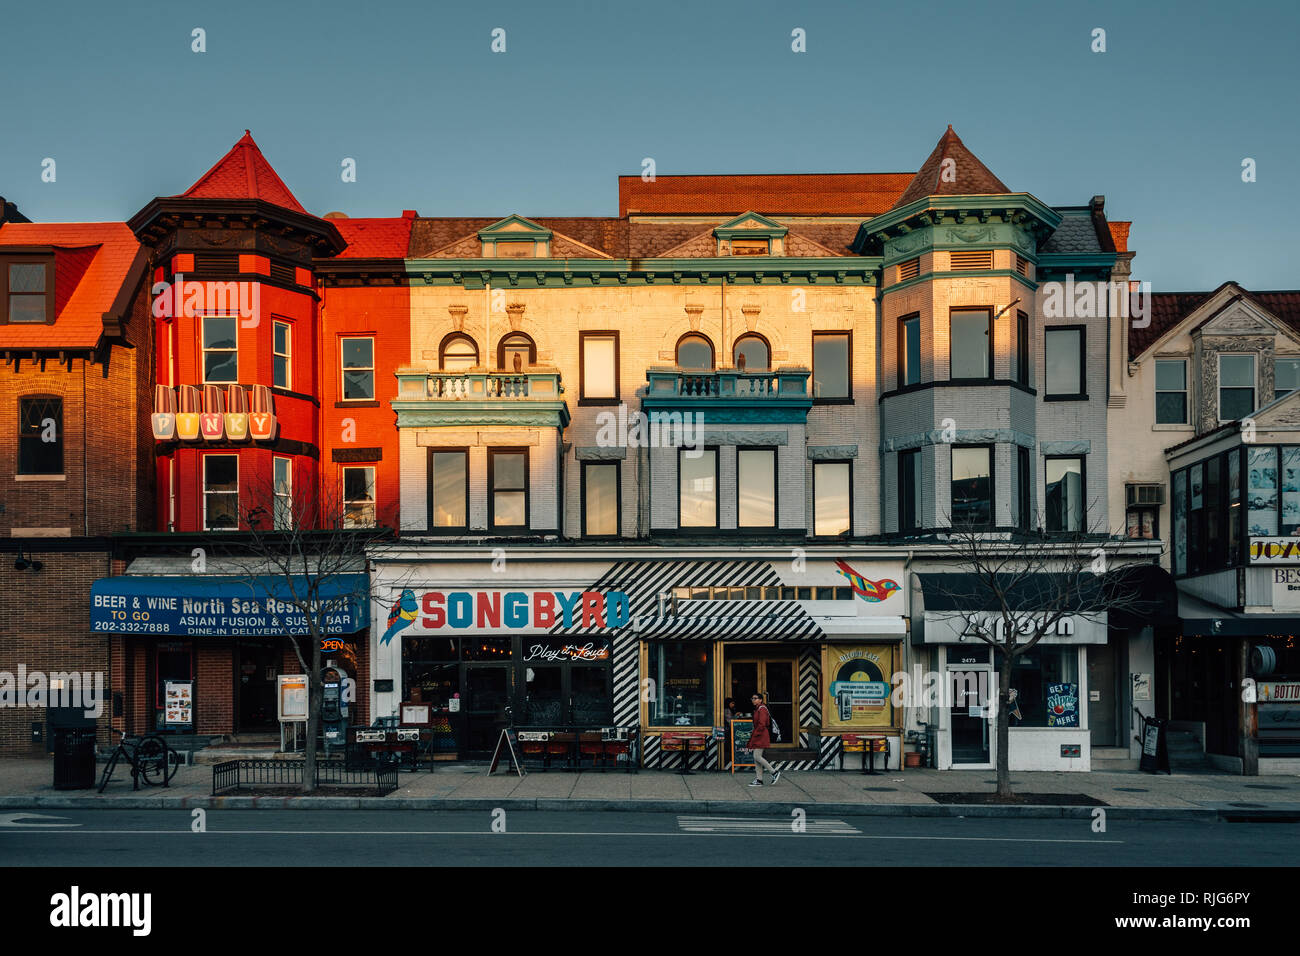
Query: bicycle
{"type": "Point", "coordinates": [149, 757]}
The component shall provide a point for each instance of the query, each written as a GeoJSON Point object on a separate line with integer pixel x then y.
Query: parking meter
{"type": "Point", "coordinates": [333, 707]}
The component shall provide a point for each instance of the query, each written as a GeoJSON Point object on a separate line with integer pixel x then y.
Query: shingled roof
{"type": "Point", "coordinates": [782, 194]}
{"type": "Point", "coordinates": [244, 173]}
{"type": "Point", "coordinates": [1168, 309]}
{"type": "Point", "coordinates": [969, 176]}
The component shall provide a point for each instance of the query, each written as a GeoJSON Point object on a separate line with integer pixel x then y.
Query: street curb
{"type": "Point", "coordinates": [648, 805]}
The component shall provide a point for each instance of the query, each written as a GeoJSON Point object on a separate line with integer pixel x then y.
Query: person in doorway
{"type": "Point", "coordinates": [760, 740]}
{"type": "Point", "coordinates": [729, 709]}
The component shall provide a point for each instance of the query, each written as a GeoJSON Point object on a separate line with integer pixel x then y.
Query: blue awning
{"type": "Point", "coordinates": [223, 606]}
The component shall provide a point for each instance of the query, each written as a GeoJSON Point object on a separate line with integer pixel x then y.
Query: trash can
{"type": "Point", "coordinates": [74, 758]}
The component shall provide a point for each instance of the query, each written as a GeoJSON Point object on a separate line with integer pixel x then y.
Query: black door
{"type": "Point", "coordinates": [487, 694]}
{"type": "Point", "coordinates": [255, 678]}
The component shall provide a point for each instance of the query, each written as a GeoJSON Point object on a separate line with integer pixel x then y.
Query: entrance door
{"type": "Point", "coordinates": [775, 679]}
{"type": "Point", "coordinates": [487, 693]}
{"type": "Point", "coordinates": [565, 694]}
{"type": "Point", "coordinates": [969, 727]}
{"type": "Point", "coordinates": [259, 665]}
{"type": "Point", "coordinates": [1101, 695]}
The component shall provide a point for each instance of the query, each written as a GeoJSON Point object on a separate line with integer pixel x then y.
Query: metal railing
{"type": "Point", "coordinates": [238, 774]}
{"type": "Point", "coordinates": [478, 385]}
{"type": "Point", "coordinates": [783, 383]}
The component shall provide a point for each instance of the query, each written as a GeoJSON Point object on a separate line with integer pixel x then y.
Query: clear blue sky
{"type": "Point", "coordinates": [437, 122]}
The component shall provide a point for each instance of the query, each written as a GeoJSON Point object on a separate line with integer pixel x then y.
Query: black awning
{"type": "Point", "coordinates": [1146, 595]}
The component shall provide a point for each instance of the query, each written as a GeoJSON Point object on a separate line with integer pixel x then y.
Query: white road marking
{"type": "Point", "coordinates": [15, 820]}
{"type": "Point", "coordinates": [707, 824]}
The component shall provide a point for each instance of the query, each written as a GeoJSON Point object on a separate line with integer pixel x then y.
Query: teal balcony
{"type": "Point", "coordinates": [731, 395]}
{"type": "Point", "coordinates": [480, 397]}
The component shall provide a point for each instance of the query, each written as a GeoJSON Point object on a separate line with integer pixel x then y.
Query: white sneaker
{"type": "Point", "coordinates": [776, 775]}
{"type": "Point", "coordinates": [756, 783]}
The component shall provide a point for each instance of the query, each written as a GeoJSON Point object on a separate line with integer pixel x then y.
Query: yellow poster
{"type": "Point", "coordinates": [857, 682]}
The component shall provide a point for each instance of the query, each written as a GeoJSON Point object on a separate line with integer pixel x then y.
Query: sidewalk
{"type": "Point", "coordinates": [27, 784]}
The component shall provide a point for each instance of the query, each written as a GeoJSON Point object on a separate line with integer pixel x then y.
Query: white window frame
{"type": "Point", "coordinates": [1282, 358]}
{"type": "Point", "coordinates": [204, 350]}
{"type": "Point", "coordinates": [203, 477]}
{"type": "Point", "coordinates": [287, 354]}
{"type": "Point", "coordinates": [282, 509]}
{"type": "Point", "coordinates": [374, 500]}
{"type": "Point", "coordinates": [1254, 386]}
{"type": "Point", "coordinates": [344, 369]}
{"type": "Point", "coordinates": [1186, 389]}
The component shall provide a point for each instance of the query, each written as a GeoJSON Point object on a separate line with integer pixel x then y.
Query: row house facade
{"type": "Point", "coordinates": [640, 466]}
{"type": "Point", "coordinates": [1203, 430]}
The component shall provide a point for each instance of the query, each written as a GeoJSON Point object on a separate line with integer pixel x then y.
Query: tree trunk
{"type": "Point", "coordinates": [1004, 725]}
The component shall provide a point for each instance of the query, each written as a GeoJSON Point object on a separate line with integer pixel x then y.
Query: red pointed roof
{"type": "Point", "coordinates": [968, 177]}
{"type": "Point", "coordinates": [244, 173]}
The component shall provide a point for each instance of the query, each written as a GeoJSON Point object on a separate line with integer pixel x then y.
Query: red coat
{"type": "Point", "coordinates": [761, 738]}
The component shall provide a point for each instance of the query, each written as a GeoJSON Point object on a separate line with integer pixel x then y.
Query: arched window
{"type": "Point", "coordinates": [694, 351]}
{"type": "Point", "coordinates": [516, 343]}
{"type": "Point", "coordinates": [755, 352]}
{"type": "Point", "coordinates": [457, 351]}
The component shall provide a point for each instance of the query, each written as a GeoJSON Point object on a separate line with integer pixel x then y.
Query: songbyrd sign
{"type": "Point", "coordinates": [521, 611]}
{"type": "Point", "coordinates": [225, 607]}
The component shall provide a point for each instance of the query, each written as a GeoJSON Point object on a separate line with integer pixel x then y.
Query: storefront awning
{"type": "Point", "coordinates": [1200, 618]}
{"type": "Point", "coordinates": [224, 606]}
{"type": "Point", "coordinates": [774, 623]}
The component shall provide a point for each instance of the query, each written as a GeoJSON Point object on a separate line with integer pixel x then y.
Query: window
{"type": "Point", "coordinates": [448, 489]}
{"type": "Point", "coordinates": [1171, 391]}
{"type": "Point", "coordinates": [681, 673]}
{"type": "Point", "coordinates": [359, 497]}
{"type": "Point", "coordinates": [756, 487]}
{"type": "Point", "coordinates": [909, 350]}
{"type": "Point", "coordinates": [1024, 489]}
{"type": "Point", "coordinates": [749, 247]}
{"type": "Point", "coordinates": [1021, 369]}
{"type": "Point", "coordinates": [694, 351]}
{"type": "Point", "coordinates": [1142, 507]}
{"type": "Point", "coordinates": [1065, 491]}
{"type": "Point", "coordinates": [28, 288]}
{"type": "Point", "coordinates": [1142, 523]}
{"type": "Point", "coordinates": [831, 376]}
{"type": "Point", "coordinates": [751, 354]}
{"type": "Point", "coordinates": [832, 498]}
{"type": "Point", "coordinates": [220, 349]}
{"type": "Point", "coordinates": [220, 492]}
{"type": "Point", "coordinates": [972, 486]}
{"type": "Point", "coordinates": [519, 346]}
{"type": "Point", "coordinates": [508, 487]}
{"type": "Point", "coordinates": [1045, 677]}
{"type": "Point", "coordinates": [1236, 386]}
{"type": "Point", "coordinates": [909, 269]}
{"type": "Point", "coordinates": [40, 435]}
{"type": "Point", "coordinates": [598, 374]}
{"type": "Point", "coordinates": [515, 249]}
{"type": "Point", "coordinates": [1286, 376]}
{"type": "Point", "coordinates": [1063, 349]}
{"type": "Point", "coordinates": [283, 356]}
{"type": "Point", "coordinates": [697, 488]}
{"type": "Point", "coordinates": [970, 343]}
{"type": "Point", "coordinates": [358, 370]}
{"type": "Point", "coordinates": [282, 511]}
{"type": "Point", "coordinates": [909, 490]}
{"type": "Point", "coordinates": [457, 352]}
{"type": "Point", "coordinates": [600, 494]}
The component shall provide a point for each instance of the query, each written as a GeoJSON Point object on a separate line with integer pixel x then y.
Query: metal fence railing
{"type": "Point", "coordinates": [237, 774]}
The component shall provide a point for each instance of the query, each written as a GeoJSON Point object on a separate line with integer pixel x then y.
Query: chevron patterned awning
{"type": "Point", "coordinates": [775, 621]}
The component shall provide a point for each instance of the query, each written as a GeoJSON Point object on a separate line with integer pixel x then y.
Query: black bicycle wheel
{"type": "Point", "coordinates": [151, 757]}
{"type": "Point", "coordinates": [108, 770]}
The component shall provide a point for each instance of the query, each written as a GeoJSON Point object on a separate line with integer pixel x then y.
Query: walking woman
{"type": "Point", "coordinates": [760, 740]}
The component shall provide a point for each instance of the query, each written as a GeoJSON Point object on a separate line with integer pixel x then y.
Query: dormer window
{"type": "Point", "coordinates": [27, 284]}
{"type": "Point", "coordinates": [514, 249]}
{"type": "Point", "coordinates": [1236, 386]}
{"type": "Point", "coordinates": [750, 247]}
{"type": "Point", "coordinates": [1286, 376]}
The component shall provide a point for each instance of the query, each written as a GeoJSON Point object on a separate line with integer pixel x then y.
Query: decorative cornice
{"type": "Point", "coordinates": [432, 414]}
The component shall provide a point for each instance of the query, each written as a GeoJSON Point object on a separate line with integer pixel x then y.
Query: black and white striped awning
{"type": "Point", "coordinates": [645, 581]}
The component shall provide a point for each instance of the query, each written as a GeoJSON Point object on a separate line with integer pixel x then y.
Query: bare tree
{"type": "Point", "coordinates": [1016, 587]}
{"type": "Point", "coordinates": [306, 553]}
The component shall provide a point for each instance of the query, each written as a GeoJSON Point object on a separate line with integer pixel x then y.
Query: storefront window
{"type": "Point", "coordinates": [487, 649]}
{"type": "Point", "coordinates": [430, 669]}
{"type": "Point", "coordinates": [1261, 491]}
{"type": "Point", "coordinates": [1047, 683]}
{"type": "Point", "coordinates": [682, 690]}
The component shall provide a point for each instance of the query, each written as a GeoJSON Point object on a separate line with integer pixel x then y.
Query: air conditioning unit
{"type": "Point", "coordinates": [1144, 494]}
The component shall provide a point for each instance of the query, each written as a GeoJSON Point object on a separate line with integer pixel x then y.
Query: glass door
{"type": "Point", "coordinates": [774, 678]}
{"type": "Point", "coordinates": [968, 718]}
{"type": "Point", "coordinates": [487, 694]}
{"type": "Point", "coordinates": [543, 697]}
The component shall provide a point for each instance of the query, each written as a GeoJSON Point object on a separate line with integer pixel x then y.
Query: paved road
{"type": "Point", "coordinates": [572, 838]}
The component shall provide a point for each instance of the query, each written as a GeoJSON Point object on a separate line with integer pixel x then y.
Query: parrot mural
{"type": "Point", "coordinates": [871, 591]}
{"type": "Point", "coordinates": [403, 615]}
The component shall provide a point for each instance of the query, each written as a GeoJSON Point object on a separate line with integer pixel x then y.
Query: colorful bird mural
{"type": "Point", "coordinates": [403, 615]}
{"type": "Point", "coordinates": [871, 591]}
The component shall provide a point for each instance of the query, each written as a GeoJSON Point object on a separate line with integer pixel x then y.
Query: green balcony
{"type": "Point", "coordinates": [731, 395]}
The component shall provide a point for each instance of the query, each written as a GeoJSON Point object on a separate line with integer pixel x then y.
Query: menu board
{"type": "Point", "coordinates": [1063, 705]}
{"type": "Point", "coordinates": [741, 730]}
{"type": "Point", "coordinates": [178, 708]}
